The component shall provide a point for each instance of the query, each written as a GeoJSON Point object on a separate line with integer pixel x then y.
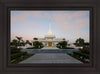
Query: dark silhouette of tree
{"type": "Point", "coordinates": [28, 42]}
{"type": "Point", "coordinates": [14, 42]}
{"type": "Point", "coordinates": [35, 38]}
{"type": "Point", "coordinates": [19, 39]}
{"type": "Point", "coordinates": [22, 43]}
{"type": "Point", "coordinates": [37, 44]}
{"type": "Point", "coordinates": [79, 42]}
{"type": "Point", "coordinates": [62, 44]}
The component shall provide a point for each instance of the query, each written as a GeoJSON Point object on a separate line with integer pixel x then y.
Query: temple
{"type": "Point", "coordinates": [49, 40]}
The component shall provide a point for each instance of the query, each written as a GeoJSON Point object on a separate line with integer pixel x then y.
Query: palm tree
{"type": "Point", "coordinates": [22, 43]}
{"type": "Point", "coordinates": [19, 39]}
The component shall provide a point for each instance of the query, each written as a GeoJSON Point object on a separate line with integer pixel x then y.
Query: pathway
{"type": "Point", "coordinates": [51, 58]}
{"type": "Point", "coordinates": [49, 48]}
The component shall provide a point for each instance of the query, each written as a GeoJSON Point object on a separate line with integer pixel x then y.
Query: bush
{"type": "Point", "coordinates": [69, 54]}
{"type": "Point", "coordinates": [84, 51]}
{"type": "Point", "coordinates": [13, 60]}
{"type": "Point", "coordinates": [15, 50]}
{"type": "Point", "coordinates": [38, 45]}
{"type": "Point", "coordinates": [75, 53]}
{"type": "Point", "coordinates": [14, 56]}
{"type": "Point", "coordinates": [62, 44]}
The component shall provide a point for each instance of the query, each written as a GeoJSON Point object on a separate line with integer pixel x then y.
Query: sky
{"type": "Point", "coordinates": [71, 24]}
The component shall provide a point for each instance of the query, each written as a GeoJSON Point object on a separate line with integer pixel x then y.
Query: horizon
{"type": "Point", "coordinates": [70, 25]}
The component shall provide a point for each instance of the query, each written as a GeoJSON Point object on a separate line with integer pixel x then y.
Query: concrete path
{"type": "Point", "coordinates": [51, 58]}
{"type": "Point", "coordinates": [49, 48]}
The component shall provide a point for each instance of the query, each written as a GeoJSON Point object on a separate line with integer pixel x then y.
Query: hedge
{"type": "Point", "coordinates": [81, 54]}
{"type": "Point", "coordinates": [15, 50]}
{"type": "Point", "coordinates": [14, 56]}
{"type": "Point", "coordinates": [84, 51]}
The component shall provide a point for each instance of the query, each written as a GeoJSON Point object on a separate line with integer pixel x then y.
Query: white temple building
{"type": "Point", "coordinates": [49, 40]}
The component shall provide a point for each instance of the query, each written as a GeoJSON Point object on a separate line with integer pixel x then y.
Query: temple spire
{"type": "Point", "coordinates": [49, 32]}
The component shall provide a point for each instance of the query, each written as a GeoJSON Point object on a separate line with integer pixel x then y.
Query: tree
{"type": "Point", "coordinates": [79, 42]}
{"type": "Point", "coordinates": [27, 41]}
{"type": "Point", "coordinates": [62, 44]}
{"type": "Point", "coordinates": [37, 44]}
{"type": "Point", "coordinates": [35, 38]}
{"type": "Point", "coordinates": [19, 39]}
{"type": "Point", "coordinates": [14, 42]}
{"type": "Point", "coordinates": [22, 43]}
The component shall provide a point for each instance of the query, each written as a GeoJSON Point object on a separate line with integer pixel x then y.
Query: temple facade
{"type": "Point", "coordinates": [49, 40]}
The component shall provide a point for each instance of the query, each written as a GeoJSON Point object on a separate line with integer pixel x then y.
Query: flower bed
{"type": "Point", "coordinates": [17, 55]}
{"type": "Point", "coordinates": [13, 56]}
{"type": "Point", "coordinates": [81, 55]}
{"type": "Point", "coordinates": [20, 58]}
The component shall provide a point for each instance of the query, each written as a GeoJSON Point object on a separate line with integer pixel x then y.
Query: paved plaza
{"type": "Point", "coordinates": [49, 48]}
{"type": "Point", "coordinates": [51, 58]}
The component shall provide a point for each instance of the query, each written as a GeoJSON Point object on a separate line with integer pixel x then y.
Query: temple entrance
{"type": "Point", "coordinates": [49, 43]}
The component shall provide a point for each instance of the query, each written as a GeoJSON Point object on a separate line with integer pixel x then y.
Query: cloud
{"type": "Point", "coordinates": [22, 16]}
{"type": "Point", "coordinates": [70, 23]}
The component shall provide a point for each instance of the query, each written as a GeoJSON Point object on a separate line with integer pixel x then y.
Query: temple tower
{"type": "Point", "coordinates": [49, 32]}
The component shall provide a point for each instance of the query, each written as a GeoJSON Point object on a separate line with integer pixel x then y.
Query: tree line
{"type": "Point", "coordinates": [63, 44]}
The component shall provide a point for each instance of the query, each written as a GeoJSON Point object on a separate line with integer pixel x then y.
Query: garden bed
{"type": "Point", "coordinates": [82, 55]}
{"type": "Point", "coordinates": [17, 56]}
{"type": "Point", "coordinates": [20, 58]}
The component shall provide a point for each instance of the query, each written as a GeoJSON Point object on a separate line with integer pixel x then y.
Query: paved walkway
{"type": "Point", "coordinates": [49, 48]}
{"type": "Point", "coordinates": [51, 58]}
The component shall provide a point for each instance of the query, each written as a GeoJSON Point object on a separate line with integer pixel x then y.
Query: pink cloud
{"type": "Point", "coordinates": [64, 21]}
{"type": "Point", "coordinates": [36, 14]}
{"type": "Point", "coordinates": [22, 16]}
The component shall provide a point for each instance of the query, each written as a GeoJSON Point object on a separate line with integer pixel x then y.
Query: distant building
{"type": "Point", "coordinates": [49, 40]}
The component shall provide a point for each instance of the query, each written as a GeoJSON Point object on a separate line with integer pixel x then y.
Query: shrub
{"type": "Point", "coordinates": [38, 45]}
{"type": "Point", "coordinates": [13, 60]}
{"type": "Point", "coordinates": [76, 53]}
{"type": "Point", "coordinates": [15, 50]}
{"type": "Point", "coordinates": [62, 44]}
{"type": "Point", "coordinates": [84, 51]}
{"type": "Point", "coordinates": [14, 56]}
